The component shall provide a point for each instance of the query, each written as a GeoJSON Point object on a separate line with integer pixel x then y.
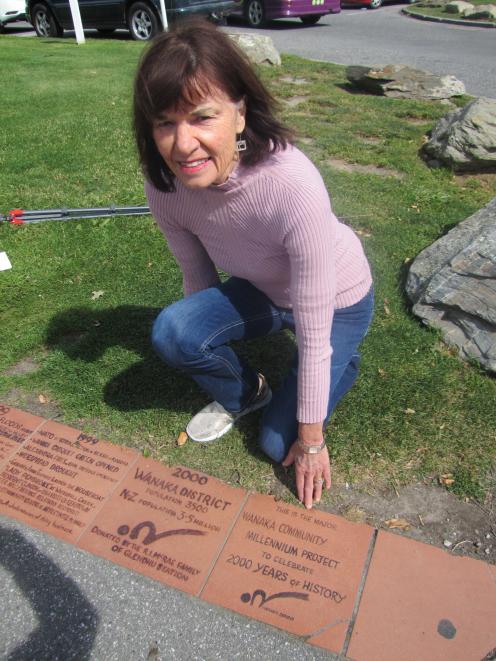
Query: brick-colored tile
{"type": "Point", "coordinates": [60, 478]}
{"type": "Point", "coordinates": [168, 523]}
{"type": "Point", "coordinates": [293, 568]}
{"type": "Point", "coordinates": [15, 427]}
{"type": "Point", "coordinates": [420, 603]}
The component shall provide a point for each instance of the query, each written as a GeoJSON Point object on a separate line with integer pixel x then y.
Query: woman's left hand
{"type": "Point", "coordinates": [312, 470]}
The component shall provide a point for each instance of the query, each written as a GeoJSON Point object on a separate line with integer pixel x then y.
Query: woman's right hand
{"type": "Point", "coordinates": [312, 471]}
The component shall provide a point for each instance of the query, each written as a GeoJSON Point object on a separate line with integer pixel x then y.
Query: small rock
{"type": "Point", "coordinates": [431, 3]}
{"type": "Point", "coordinates": [487, 551]}
{"type": "Point", "coordinates": [447, 543]}
{"type": "Point", "coordinates": [458, 7]}
{"type": "Point", "coordinates": [488, 536]}
{"type": "Point", "coordinates": [402, 81]}
{"type": "Point", "coordinates": [478, 544]}
{"type": "Point", "coordinates": [259, 48]}
{"type": "Point", "coordinates": [481, 12]}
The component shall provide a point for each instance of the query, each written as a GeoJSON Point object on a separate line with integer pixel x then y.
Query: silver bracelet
{"type": "Point", "coordinates": [311, 449]}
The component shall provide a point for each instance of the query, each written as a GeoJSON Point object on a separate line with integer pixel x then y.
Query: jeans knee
{"type": "Point", "coordinates": [272, 444]}
{"type": "Point", "coordinates": [170, 338]}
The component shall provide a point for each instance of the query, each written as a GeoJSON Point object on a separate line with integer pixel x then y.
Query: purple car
{"type": "Point", "coordinates": [258, 12]}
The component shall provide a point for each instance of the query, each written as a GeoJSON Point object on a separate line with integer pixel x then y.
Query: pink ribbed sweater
{"type": "Point", "coordinates": [272, 224]}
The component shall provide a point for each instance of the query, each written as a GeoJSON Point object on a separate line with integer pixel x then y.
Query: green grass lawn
{"type": "Point", "coordinates": [66, 141]}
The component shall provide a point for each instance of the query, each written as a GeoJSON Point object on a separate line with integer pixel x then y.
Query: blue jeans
{"type": "Point", "coordinates": [194, 333]}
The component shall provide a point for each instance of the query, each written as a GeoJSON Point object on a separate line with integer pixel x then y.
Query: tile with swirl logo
{"type": "Point", "coordinates": [168, 523]}
{"type": "Point", "coordinates": [296, 569]}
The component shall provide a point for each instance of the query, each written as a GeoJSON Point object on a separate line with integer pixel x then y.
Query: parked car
{"type": "Point", "coordinates": [11, 10]}
{"type": "Point", "coordinates": [141, 17]}
{"type": "Point", "coordinates": [259, 12]}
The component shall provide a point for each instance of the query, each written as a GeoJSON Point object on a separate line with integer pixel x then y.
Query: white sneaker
{"type": "Point", "coordinates": [214, 421]}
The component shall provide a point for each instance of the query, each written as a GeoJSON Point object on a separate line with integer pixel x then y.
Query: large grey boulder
{"type": "Point", "coordinates": [402, 81]}
{"type": "Point", "coordinates": [466, 138]}
{"type": "Point", "coordinates": [259, 48]}
{"type": "Point", "coordinates": [452, 284]}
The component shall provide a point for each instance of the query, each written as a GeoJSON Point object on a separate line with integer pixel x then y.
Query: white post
{"type": "Point", "coordinates": [164, 15]}
{"type": "Point", "coordinates": [76, 19]}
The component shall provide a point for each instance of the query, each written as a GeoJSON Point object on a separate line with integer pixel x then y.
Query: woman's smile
{"type": "Point", "coordinates": [193, 166]}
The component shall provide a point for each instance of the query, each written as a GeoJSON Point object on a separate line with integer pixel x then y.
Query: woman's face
{"type": "Point", "coordinates": [198, 142]}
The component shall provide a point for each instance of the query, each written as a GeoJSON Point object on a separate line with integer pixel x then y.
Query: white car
{"type": "Point", "coordinates": [12, 10]}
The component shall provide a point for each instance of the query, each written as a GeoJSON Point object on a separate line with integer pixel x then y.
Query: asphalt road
{"type": "Point", "coordinates": [383, 36]}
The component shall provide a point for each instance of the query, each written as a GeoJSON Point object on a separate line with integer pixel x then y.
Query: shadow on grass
{"type": "Point", "coordinates": [86, 334]}
{"type": "Point", "coordinates": [351, 89]}
{"type": "Point", "coordinates": [67, 621]}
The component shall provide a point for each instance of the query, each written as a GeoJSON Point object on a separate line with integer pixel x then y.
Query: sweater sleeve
{"type": "Point", "coordinates": [198, 270]}
{"type": "Point", "coordinates": [309, 239]}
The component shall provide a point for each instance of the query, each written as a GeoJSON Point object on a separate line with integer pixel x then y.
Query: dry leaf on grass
{"type": "Point", "coordinates": [446, 480]}
{"type": "Point", "coordinates": [182, 438]}
{"type": "Point", "coordinates": [381, 372]}
{"type": "Point", "coordinates": [409, 411]}
{"type": "Point", "coordinates": [42, 399]}
{"type": "Point", "coordinates": [398, 524]}
{"type": "Point", "coordinates": [95, 295]}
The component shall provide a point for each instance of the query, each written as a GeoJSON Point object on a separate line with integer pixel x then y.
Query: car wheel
{"type": "Point", "coordinates": [142, 21]}
{"type": "Point", "coordinates": [255, 13]}
{"type": "Point", "coordinates": [375, 4]}
{"type": "Point", "coordinates": [310, 19]}
{"type": "Point", "coordinates": [44, 22]}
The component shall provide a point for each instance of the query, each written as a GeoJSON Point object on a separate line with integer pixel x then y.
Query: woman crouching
{"type": "Point", "coordinates": [229, 191]}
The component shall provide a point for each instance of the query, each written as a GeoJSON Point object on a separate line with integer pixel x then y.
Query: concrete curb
{"type": "Point", "coordinates": [453, 21]}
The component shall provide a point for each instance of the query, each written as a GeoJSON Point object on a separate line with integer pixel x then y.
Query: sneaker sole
{"type": "Point", "coordinates": [228, 427]}
{"type": "Point", "coordinates": [214, 437]}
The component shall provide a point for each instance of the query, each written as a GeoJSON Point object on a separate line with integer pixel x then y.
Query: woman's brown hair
{"type": "Point", "coordinates": [184, 65]}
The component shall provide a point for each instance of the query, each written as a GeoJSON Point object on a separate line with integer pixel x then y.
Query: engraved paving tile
{"type": "Point", "coordinates": [419, 602]}
{"type": "Point", "coordinates": [60, 478]}
{"type": "Point", "coordinates": [168, 523]}
{"type": "Point", "coordinates": [15, 427]}
{"type": "Point", "coordinates": [293, 568]}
